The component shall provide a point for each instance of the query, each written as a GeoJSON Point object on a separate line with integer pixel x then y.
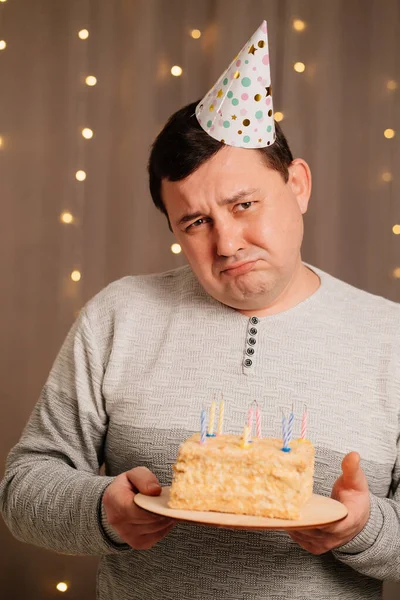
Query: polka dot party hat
{"type": "Point", "coordinates": [238, 109]}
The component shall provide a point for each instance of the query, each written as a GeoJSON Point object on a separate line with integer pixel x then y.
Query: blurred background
{"type": "Point", "coordinates": [86, 85]}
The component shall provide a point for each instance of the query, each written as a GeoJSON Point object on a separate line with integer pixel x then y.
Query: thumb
{"type": "Point", "coordinates": [144, 481]}
{"type": "Point", "coordinates": [353, 477]}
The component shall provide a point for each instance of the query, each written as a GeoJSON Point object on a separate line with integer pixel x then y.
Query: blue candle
{"type": "Point", "coordinates": [290, 426]}
{"type": "Point", "coordinates": [203, 427]}
{"type": "Point", "coordinates": [285, 435]}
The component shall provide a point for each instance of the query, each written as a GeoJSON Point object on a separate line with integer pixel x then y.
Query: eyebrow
{"type": "Point", "coordinates": [225, 202]}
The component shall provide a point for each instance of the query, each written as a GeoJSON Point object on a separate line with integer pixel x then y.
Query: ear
{"type": "Point", "coordinates": [300, 182]}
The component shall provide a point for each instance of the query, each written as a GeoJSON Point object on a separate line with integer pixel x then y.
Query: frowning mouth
{"type": "Point", "coordinates": [239, 268]}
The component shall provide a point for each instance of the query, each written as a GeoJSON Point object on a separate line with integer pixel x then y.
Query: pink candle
{"type": "Point", "coordinates": [258, 422]}
{"type": "Point", "coordinates": [304, 424]}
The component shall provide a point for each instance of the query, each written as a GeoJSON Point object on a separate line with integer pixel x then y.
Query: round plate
{"type": "Point", "coordinates": [317, 512]}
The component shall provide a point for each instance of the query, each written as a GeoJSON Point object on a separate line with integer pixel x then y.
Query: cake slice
{"type": "Point", "coordinates": [223, 476]}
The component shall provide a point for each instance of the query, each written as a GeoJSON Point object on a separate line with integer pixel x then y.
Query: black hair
{"type": "Point", "coordinates": [183, 146]}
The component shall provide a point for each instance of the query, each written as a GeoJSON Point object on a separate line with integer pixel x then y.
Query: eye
{"type": "Point", "coordinates": [195, 224]}
{"type": "Point", "coordinates": [245, 205]}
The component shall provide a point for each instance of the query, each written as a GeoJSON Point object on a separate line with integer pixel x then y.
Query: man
{"type": "Point", "coordinates": [247, 317]}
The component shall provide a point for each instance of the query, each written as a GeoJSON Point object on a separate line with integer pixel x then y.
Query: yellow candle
{"type": "Point", "coordinates": [221, 417]}
{"type": "Point", "coordinates": [212, 419]}
{"type": "Point", "coordinates": [245, 438]}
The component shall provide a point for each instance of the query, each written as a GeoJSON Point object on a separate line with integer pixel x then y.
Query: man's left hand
{"type": "Point", "coordinates": [352, 490]}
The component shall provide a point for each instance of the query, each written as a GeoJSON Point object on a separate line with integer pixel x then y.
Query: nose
{"type": "Point", "coordinates": [228, 238]}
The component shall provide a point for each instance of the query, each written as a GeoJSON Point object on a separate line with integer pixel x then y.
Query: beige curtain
{"type": "Point", "coordinates": [335, 114]}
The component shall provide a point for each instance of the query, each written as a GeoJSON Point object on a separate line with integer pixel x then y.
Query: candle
{"type": "Point", "coordinates": [258, 421]}
{"type": "Point", "coordinates": [203, 427]}
{"type": "Point", "coordinates": [245, 438]}
{"type": "Point", "coordinates": [285, 435]}
{"type": "Point", "coordinates": [290, 426]}
{"type": "Point", "coordinates": [250, 419]}
{"type": "Point", "coordinates": [304, 423]}
{"type": "Point", "coordinates": [221, 416]}
{"type": "Point", "coordinates": [212, 419]}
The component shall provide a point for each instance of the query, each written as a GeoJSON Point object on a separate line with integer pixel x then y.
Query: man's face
{"type": "Point", "coordinates": [236, 211]}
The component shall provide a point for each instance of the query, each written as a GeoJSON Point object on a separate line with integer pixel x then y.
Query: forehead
{"type": "Point", "coordinates": [228, 171]}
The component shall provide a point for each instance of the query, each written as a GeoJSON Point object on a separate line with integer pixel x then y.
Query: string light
{"type": "Point", "coordinates": [176, 249]}
{"type": "Point", "coordinates": [387, 176]}
{"type": "Point", "coordinates": [3, 0]}
{"type": "Point", "coordinates": [391, 85]}
{"type": "Point", "coordinates": [83, 34]}
{"type": "Point", "coordinates": [91, 80]}
{"type": "Point", "coordinates": [195, 33]}
{"type": "Point", "coordinates": [76, 275]}
{"type": "Point", "coordinates": [299, 25]}
{"type": "Point", "coordinates": [396, 273]}
{"type": "Point", "coordinates": [3, 44]}
{"type": "Point", "coordinates": [62, 586]}
{"type": "Point", "coordinates": [66, 217]}
{"type": "Point", "coordinates": [389, 133]}
{"type": "Point", "coordinates": [87, 133]}
{"type": "Point", "coordinates": [176, 71]}
{"type": "Point", "coordinates": [80, 175]}
{"type": "Point", "coordinates": [278, 116]}
{"type": "Point", "coordinates": [1, 142]}
{"type": "Point", "coordinates": [396, 229]}
{"type": "Point", "coordinates": [299, 67]}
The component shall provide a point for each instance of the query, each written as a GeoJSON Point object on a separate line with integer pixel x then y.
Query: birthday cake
{"type": "Point", "coordinates": [228, 474]}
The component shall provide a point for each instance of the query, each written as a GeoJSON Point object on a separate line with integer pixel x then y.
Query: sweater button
{"type": "Point", "coordinates": [253, 331]}
{"type": "Point", "coordinates": [248, 362]}
{"type": "Point", "coordinates": [252, 341]}
{"type": "Point", "coordinates": [250, 351]}
{"type": "Point", "coordinates": [254, 320]}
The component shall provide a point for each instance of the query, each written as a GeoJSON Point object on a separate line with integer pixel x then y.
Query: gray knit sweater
{"type": "Point", "coordinates": [143, 358]}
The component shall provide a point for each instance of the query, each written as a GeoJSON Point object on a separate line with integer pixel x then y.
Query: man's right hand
{"type": "Point", "coordinates": [137, 527]}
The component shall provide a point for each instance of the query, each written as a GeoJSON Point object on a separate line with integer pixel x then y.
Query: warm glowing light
{"type": "Point", "coordinates": [299, 25]}
{"type": "Point", "coordinates": [3, 0]}
{"type": "Point", "coordinates": [83, 34]}
{"type": "Point", "coordinates": [176, 249]}
{"type": "Point", "coordinates": [389, 133]}
{"type": "Point", "coordinates": [66, 217]}
{"type": "Point", "coordinates": [396, 273]}
{"type": "Point", "coordinates": [1, 142]}
{"type": "Point", "coordinates": [391, 85]}
{"type": "Point", "coordinates": [299, 67]}
{"type": "Point", "coordinates": [396, 229]}
{"type": "Point", "coordinates": [2, 44]}
{"type": "Point", "coordinates": [387, 176]}
{"type": "Point", "coordinates": [75, 275]}
{"type": "Point", "coordinates": [195, 33]}
{"type": "Point", "coordinates": [278, 116]}
{"type": "Point", "coordinates": [62, 587]}
{"type": "Point", "coordinates": [91, 80]}
{"type": "Point", "coordinates": [80, 175]}
{"type": "Point", "coordinates": [87, 133]}
{"type": "Point", "coordinates": [176, 71]}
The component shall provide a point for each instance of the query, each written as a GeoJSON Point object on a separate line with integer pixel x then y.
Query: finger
{"type": "Point", "coordinates": [150, 528]}
{"type": "Point", "coordinates": [353, 476]}
{"type": "Point", "coordinates": [312, 546]}
{"type": "Point", "coordinates": [145, 542]}
{"type": "Point", "coordinates": [144, 481]}
{"type": "Point", "coordinates": [312, 535]}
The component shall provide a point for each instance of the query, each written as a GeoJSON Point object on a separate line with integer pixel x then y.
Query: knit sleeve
{"type": "Point", "coordinates": [375, 551]}
{"type": "Point", "coordinates": [51, 492]}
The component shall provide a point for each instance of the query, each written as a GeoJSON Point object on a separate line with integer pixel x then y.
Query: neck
{"type": "Point", "coordinates": [301, 286]}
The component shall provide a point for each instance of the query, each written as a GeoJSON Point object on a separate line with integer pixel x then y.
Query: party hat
{"type": "Point", "coordinates": [238, 109]}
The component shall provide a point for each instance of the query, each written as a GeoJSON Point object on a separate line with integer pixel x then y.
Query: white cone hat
{"type": "Point", "coordinates": [238, 109]}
